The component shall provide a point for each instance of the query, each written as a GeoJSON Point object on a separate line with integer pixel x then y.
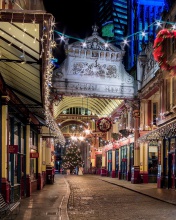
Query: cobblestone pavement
{"type": "Point", "coordinates": [94, 199]}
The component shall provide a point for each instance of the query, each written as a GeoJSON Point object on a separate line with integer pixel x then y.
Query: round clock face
{"type": "Point", "coordinates": [104, 124]}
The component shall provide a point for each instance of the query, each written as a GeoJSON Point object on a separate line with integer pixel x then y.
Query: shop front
{"type": "Point", "coordinates": [161, 155]}
{"type": "Point", "coordinates": [169, 163]}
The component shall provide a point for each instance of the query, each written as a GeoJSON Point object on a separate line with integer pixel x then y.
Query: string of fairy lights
{"type": "Point", "coordinates": [47, 44]}
{"type": "Point", "coordinates": [143, 33]}
{"type": "Point", "coordinates": [47, 37]}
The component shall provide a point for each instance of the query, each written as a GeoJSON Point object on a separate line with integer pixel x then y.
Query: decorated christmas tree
{"type": "Point", "coordinates": [72, 158]}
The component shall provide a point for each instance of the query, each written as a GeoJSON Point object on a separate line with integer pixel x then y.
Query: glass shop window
{"type": "Point", "coordinates": [117, 160]}
{"type": "Point", "coordinates": [124, 152]}
{"type": "Point", "coordinates": [109, 160]}
{"type": "Point", "coordinates": [153, 160]}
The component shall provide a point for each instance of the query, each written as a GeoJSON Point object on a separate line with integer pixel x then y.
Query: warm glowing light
{"type": "Point", "coordinates": [87, 131]}
{"type": "Point", "coordinates": [81, 138]}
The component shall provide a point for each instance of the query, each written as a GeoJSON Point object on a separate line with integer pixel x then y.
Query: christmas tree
{"type": "Point", "coordinates": [72, 158]}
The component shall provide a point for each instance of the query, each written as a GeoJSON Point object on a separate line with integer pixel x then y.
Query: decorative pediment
{"type": "Point", "coordinates": [94, 68]}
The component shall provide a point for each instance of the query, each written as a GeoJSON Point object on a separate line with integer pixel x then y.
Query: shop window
{"type": "Point", "coordinates": [98, 161]}
{"type": "Point", "coordinates": [153, 160]}
{"type": "Point", "coordinates": [131, 155]}
{"type": "Point", "coordinates": [117, 160]}
{"type": "Point", "coordinates": [124, 161]}
{"type": "Point", "coordinates": [33, 138]}
{"type": "Point", "coordinates": [110, 160]}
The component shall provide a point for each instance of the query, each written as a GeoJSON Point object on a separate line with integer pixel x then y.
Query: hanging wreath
{"type": "Point", "coordinates": [159, 54]}
{"type": "Point", "coordinates": [104, 124]}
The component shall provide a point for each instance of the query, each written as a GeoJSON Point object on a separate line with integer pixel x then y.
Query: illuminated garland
{"type": "Point", "coordinates": [159, 54]}
{"type": "Point", "coordinates": [104, 124]}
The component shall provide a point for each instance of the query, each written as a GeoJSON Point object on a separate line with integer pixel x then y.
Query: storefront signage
{"type": "Point", "coordinates": [13, 149]}
{"type": "Point", "coordinates": [34, 155]}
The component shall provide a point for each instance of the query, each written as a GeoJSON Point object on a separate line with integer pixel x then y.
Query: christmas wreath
{"type": "Point", "coordinates": [158, 52]}
{"type": "Point", "coordinates": [104, 124]}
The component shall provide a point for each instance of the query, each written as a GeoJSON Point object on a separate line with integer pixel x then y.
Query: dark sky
{"type": "Point", "coordinates": [74, 18]}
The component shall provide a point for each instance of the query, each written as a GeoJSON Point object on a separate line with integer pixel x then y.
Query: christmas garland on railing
{"type": "Point", "coordinates": [159, 54]}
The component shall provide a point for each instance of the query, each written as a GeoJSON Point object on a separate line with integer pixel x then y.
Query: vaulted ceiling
{"type": "Point", "coordinates": [98, 106]}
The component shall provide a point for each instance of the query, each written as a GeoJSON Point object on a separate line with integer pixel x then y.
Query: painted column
{"type": "Point", "coordinates": [28, 178]}
{"type": "Point", "coordinates": [44, 160]}
{"type": "Point", "coordinates": [103, 167]}
{"type": "Point", "coordinates": [135, 178]}
{"type": "Point", "coordinates": [160, 164]}
{"type": "Point", "coordinates": [40, 177]}
{"type": "Point", "coordinates": [136, 136]}
{"type": "Point", "coordinates": [142, 159]}
{"type": "Point", "coordinates": [113, 164]}
{"type": "Point", "coordinates": [4, 166]}
{"type": "Point", "coordinates": [93, 160]}
{"type": "Point", "coordinates": [145, 171]}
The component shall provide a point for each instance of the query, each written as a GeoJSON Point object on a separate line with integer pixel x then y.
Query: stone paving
{"type": "Point", "coordinates": [50, 203]}
{"type": "Point", "coordinates": [92, 198]}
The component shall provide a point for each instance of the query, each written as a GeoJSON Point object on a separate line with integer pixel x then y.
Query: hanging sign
{"type": "Point", "coordinates": [34, 155]}
{"type": "Point", "coordinates": [104, 124]}
{"type": "Point", "coordinates": [13, 149]}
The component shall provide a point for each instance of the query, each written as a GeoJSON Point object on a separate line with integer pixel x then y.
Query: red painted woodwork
{"type": "Point", "coordinates": [113, 174]}
{"type": "Point", "coordinates": [103, 171]}
{"type": "Point", "coordinates": [5, 189]}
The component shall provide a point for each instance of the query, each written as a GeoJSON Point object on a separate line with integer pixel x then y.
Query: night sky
{"type": "Point", "coordinates": [74, 18]}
